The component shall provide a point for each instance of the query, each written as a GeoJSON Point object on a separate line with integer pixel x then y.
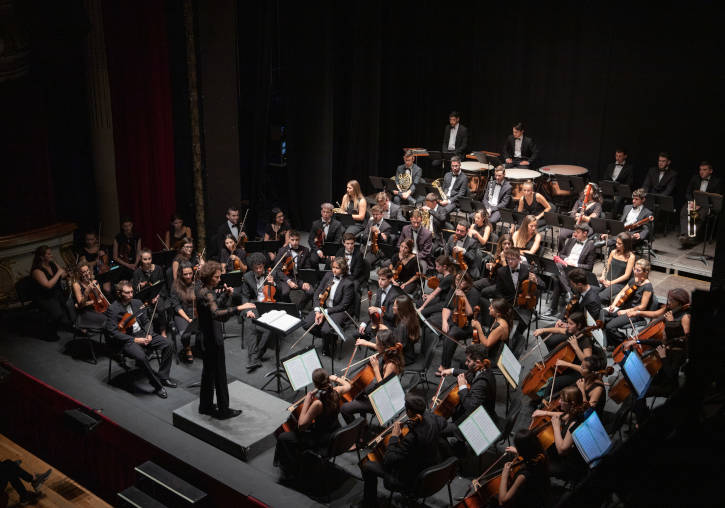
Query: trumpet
{"type": "Point", "coordinates": [692, 216]}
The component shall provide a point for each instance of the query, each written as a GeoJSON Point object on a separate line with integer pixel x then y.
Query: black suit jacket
{"type": "Point", "coordinates": [408, 455]}
{"type": "Point", "coordinates": [459, 188]}
{"type": "Point", "coordinates": [334, 232]}
{"type": "Point", "coordinates": [395, 212]}
{"type": "Point", "coordinates": [625, 176]}
{"type": "Point", "coordinates": [644, 212]}
{"type": "Point", "coordinates": [425, 242]}
{"type": "Point", "coordinates": [529, 150]}
{"type": "Point", "coordinates": [590, 303]}
{"type": "Point", "coordinates": [249, 287]}
{"type": "Point", "coordinates": [481, 393]}
{"type": "Point", "coordinates": [655, 186]}
{"type": "Point", "coordinates": [389, 315]}
{"type": "Point", "coordinates": [115, 312]}
{"type": "Point", "coordinates": [714, 185]}
{"type": "Point", "coordinates": [505, 285]}
{"type": "Point", "coordinates": [586, 258]}
{"type": "Point", "coordinates": [384, 228]}
{"type": "Point", "coordinates": [469, 244]}
{"type": "Point", "coordinates": [221, 233]}
{"type": "Point", "coordinates": [504, 195]}
{"type": "Point", "coordinates": [461, 140]}
{"type": "Point", "coordinates": [303, 261]}
{"type": "Point", "coordinates": [344, 294]}
{"type": "Point", "coordinates": [356, 267]}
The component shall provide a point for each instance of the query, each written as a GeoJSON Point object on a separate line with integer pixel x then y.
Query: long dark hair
{"type": "Point", "coordinates": [503, 307]}
{"type": "Point", "coordinates": [392, 350]}
{"type": "Point", "coordinates": [407, 315]}
{"type": "Point", "coordinates": [185, 292]}
{"type": "Point", "coordinates": [327, 395]}
{"type": "Point", "coordinates": [38, 256]}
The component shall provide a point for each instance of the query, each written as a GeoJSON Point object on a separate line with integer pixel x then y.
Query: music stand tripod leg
{"type": "Point", "coordinates": [278, 373]}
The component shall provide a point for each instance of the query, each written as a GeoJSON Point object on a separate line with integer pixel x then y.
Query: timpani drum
{"type": "Point", "coordinates": [477, 174]}
{"type": "Point", "coordinates": [517, 177]}
{"type": "Point", "coordinates": [550, 172]}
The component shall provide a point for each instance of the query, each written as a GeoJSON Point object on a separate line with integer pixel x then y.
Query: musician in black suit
{"type": "Point", "coordinates": [331, 228]}
{"type": "Point", "coordinates": [255, 337]}
{"type": "Point", "coordinates": [622, 172]}
{"type": "Point", "coordinates": [376, 224]}
{"type": "Point", "coordinates": [455, 136]}
{"type": "Point", "coordinates": [460, 241]}
{"type": "Point", "coordinates": [579, 252]}
{"type": "Point", "coordinates": [414, 174]}
{"type": "Point", "coordinates": [703, 181]}
{"type": "Point", "coordinates": [352, 254]}
{"type": "Point", "coordinates": [519, 150]}
{"type": "Point", "coordinates": [661, 179]}
{"type": "Point", "coordinates": [383, 297]}
{"type": "Point", "coordinates": [138, 337]}
{"type": "Point", "coordinates": [455, 185]}
{"type": "Point", "coordinates": [497, 195]}
{"type": "Point", "coordinates": [421, 237]}
{"type": "Point", "coordinates": [587, 298]}
{"type": "Point", "coordinates": [390, 210]}
{"type": "Point", "coordinates": [341, 298]}
{"type": "Point", "coordinates": [438, 215]}
{"type": "Point", "coordinates": [509, 277]}
{"type": "Point", "coordinates": [230, 227]}
{"type": "Point", "coordinates": [634, 213]}
{"type": "Point", "coordinates": [301, 258]}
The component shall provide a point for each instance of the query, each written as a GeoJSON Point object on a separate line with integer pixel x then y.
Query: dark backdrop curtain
{"type": "Point", "coordinates": [138, 62]}
{"type": "Point", "coordinates": [362, 81]}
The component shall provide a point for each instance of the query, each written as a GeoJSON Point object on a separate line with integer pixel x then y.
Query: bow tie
{"type": "Point", "coordinates": [336, 278]}
{"type": "Point", "coordinates": [580, 242]}
{"type": "Point", "coordinates": [515, 271]}
{"type": "Point", "coordinates": [705, 180]}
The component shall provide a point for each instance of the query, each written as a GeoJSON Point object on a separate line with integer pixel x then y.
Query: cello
{"type": "Point", "coordinates": [654, 330]}
{"type": "Point", "coordinates": [542, 371]}
{"type": "Point", "coordinates": [486, 487]}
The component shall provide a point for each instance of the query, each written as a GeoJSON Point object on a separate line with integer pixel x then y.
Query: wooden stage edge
{"type": "Point", "coordinates": [57, 491]}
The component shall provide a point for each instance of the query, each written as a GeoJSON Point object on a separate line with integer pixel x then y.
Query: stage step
{"type": "Point", "coordinates": [168, 487]}
{"type": "Point", "coordinates": [133, 497]}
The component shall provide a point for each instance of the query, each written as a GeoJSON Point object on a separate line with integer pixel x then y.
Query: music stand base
{"type": "Point", "coordinates": [700, 257]}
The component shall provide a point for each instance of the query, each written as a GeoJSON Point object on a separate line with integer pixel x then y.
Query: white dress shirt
{"type": "Point", "coordinates": [617, 170]}
{"type": "Point", "coordinates": [450, 187]}
{"type": "Point", "coordinates": [517, 147]}
{"type": "Point", "coordinates": [452, 139]}
{"type": "Point", "coordinates": [234, 228]}
{"type": "Point", "coordinates": [632, 215]}
{"type": "Point", "coordinates": [333, 289]}
{"type": "Point", "coordinates": [136, 328]}
{"type": "Point", "coordinates": [573, 257]}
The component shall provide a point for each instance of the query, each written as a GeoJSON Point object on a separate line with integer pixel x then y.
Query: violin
{"type": "Point", "coordinates": [526, 298]}
{"type": "Point", "coordinates": [459, 317]}
{"type": "Point", "coordinates": [627, 294]}
{"type": "Point", "coordinates": [129, 319]}
{"type": "Point", "coordinates": [325, 294]}
{"type": "Point", "coordinates": [269, 289]}
{"type": "Point", "coordinates": [476, 339]}
{"type": "Point", "coordinates": [639, 223]}
{"type": "Point", "coordinates": [319, 238]}
{"type": "Point", "coordinates": [486, 486]}
{"type": "Point", "coordinates": [494, 268]}
{"type": "Point", "coordinates": [458, 256]}
{"type": "Point", "coordinates": [569, 306]}
{"type": "Point", "coordinates": [397, 270]}
{"type": "Point", "coordinates": [541, 372]}
{"type": "Point", "coordinates": [288, 266]}
{"type": "Point", "coordinates": [585, 203]}
{"type": "Point", "coordinates": [103, 264]}
{"type": "Point", "coordinates": [124, 252]}
{"type": "Point", "coordinates": [433, 281]}
{"type": "Point", "coordinates": [654, 330]}
{"type": "Point", "coordinates": [97, 298]}
{"type": "Point", "coordinates": [380, 443]}
{"type": "Point", "coordinates": [374, 241]}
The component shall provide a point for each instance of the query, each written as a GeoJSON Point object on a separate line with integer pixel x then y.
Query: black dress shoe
{"type": "Point", "coordinates": [253, 366]}
{"type": "Point", "coordinates": [208, 410]}
{"type": "Point", "coordinates": [169, 383]}
{"type": "Point", "coordinates": [227, 413]}
{"type": "Point", "coordinates": [161, 392]}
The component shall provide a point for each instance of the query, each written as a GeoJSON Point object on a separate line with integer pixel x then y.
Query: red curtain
{"type": "Point", "coordinates": [138, 66]}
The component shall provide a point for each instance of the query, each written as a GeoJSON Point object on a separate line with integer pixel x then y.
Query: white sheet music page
{"type": "Point", "coordinates": [479, 430]}
{"type": "Point", "coordinates": [510, 366]}
{"type": "Point", "coordinates": [279, 319]}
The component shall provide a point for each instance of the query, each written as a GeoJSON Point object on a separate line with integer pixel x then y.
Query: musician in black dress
{"type": "Point", "coordinates": [406, 328]}
{"type": "Point", "coordinates": [127, 248]}
{"type": "Point", "coordinates": [638, 299]}
{"type": "Point", "coordinates": [212, 311]}
{"type": "Point", "coordinates": [464, 291]}
{"type": "Point", "coordinates": [148, 273]}
{"type": "Point", "coordinates": [177, 232]}
{"type": "Point", "coordinates": [405, 269]}
{"type": "Point", "coordinates": [82, 286]}
{"type": "Point", "coordinates": [91, 251]}
{"type": "Point", "coordinates": [135, 338]}
{"type": "Point", "coordinates": [434, 302]}
{"type": "Point", "coordinates": [533, 203]}
{"type": "Point", "coordinates": [481, 230]}
{"type": "Point", "coordinates": [498, 334]}
{"type": "Point", "coordinates": [618, 269]}
{"type": "Point", "coordinates": [186, 253]}
{"type": "Point", "coordinates": [48, 291]}
{"type": "Point", "coordinates": [530, 485]}
{"type": "Point", "coordinates": [183, 303]}
{"type": "Point", "coordinates": [232, 257]}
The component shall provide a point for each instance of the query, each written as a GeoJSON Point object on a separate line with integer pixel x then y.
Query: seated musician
{"type": "Point", "coordinates": [177, 232]}
{"type": "Point", "coordinates": [677, 318]}
{"type": "Point", "coordinates": [407, 176]}
{"type": "Point", "coordinates": [497, 195]}
{"type": "Point", "coordinates": [422, 239]}
{"type": "Point", "coordinates": [433, 302]}
{"type": "Point", "coordinates": [186, 253]}
{"type": "Point", "coordinates": [127, 248]}
{"type": "Point", "coordinates": [325, 229]}
{"type": "Point", "coordinates": [278, 229]}
{"type": "Point", "coordinates": [252, 290]}
{"type": "Point", "coordinates": [48, 292]}
{"type": "Point", "coordinates": [526, 238]}
{"type": "Point", "coordinates": [634, 213]}
{"type": "Point", "coordinates": [585, 298]}
{"type": "Point", "coordinates": [340, 291]}
{"type": "Point", "coordinates": [302, 260]}
{"type": "Point", "coordinates": [232, 259]}
{"type": "Point", "coordinates": [354, 204]}
{"type": "Point", "coordinates": [621, 172]}
{"type": "Point", "coordinates": [510, 276]}
{"type": "Point", "coordinates": [352, 254]}
{"type": "Point", "coordinates": [91, 251]}
{"type": "Point", "coordinates": [481, 230]}
{"type": "Point", "coordinates": [661, 179]}
{"type": "Point", "coordinates": [406, 327]}
{"type": "Point", "coordinates": [579, 252]}
{"type": "Point", "coordinates": [455, 186]}
{"type": "Point", "coordinates": [137, 337]}
{"type": "Point", "coordinates": [82, 286]}
{"type": "Point", "coordinates": [583, 213]}
{"type": "Point", "coordinates": [317, 421]}
{"type": "Point", "coordinates": [703, 181]}
{"type": "Point", "coordinates": [461, 299]}
{"type": "Point", "coordinates": [590, 384]}
{"type": "Point", "coordinates": [438, 218]}
{"type": "Point", "coordinates": [183, 301]}
{"type": "Point", "coordinates": [582, 343]}
{"type": "Point", "coordinates": [461, 242]}
{"type": "Point", "coordinates": [387, 362]}
{"type": "Point", "coordinates": [381, 303]}
{"type": "Point", "coordinates": [530, 485]}
{"type": "Point", "coordinates": [533, 203]}
{"type": "Point", "coordinates": [230, 227]}
{"type": "Point", "coordinates": [376, 224]}
{"type": "Point", "coordinates": [389, 210]}
{"type": "Point", "coordinates": [406, 456]}
{"type": "Point", "coordinates": [618, 269]}
{"type": "Point", "coordinates": [621, 311]}
{"type": "Point", "coordinates": [404, 268]}
{"type": "Point", "coordinates": [476, 384]}
{"type": "Point", "coordinates": [502, 314]}
{"type": "Point", "coordinates": [487, 284]}
{"type": "Point", "coordinates": [147, 274]}
{"type": "Point", "coordinates": [519, 150]}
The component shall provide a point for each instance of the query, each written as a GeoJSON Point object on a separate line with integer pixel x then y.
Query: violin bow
{"type": "Point", "coordinates": [536, 346]}
{"type": "Point", "coordinates": [370, 231]}
{"type": "Point", "coordinates": [281, 258]}
{"type": "Point", "coordinates": [551, 394]}
{"type": "Point", "coordinates": [349, 363]}
{"type": "Point", "coordinates": [163, 243]}
{"type": "Point", "coordinates": [303, 336]}
{"type": "Point", "coordinates": [438, 392]}
{"type": "Point", "coordinates": [458, 285]}
{"type": "Point", "coordinates": [421, 276]}
{"type": "Point", "coordinates": [151, 321]}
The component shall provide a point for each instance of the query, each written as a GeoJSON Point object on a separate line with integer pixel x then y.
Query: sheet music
{"type": "Point", "coordinates": [597, 334]}
{"type": "Point", "coordinates": [311, 361]}
{"type": "Point", "coordinates": [334, 325]}
{"type": "Point", "coordinates": [299, 368]}
{"type": "Point", "coordinates": [279, 319]}
{"type": "Point", "coordinates": [479, 430]}
{"type": "Point", "coordinates": [591, 439]}
{"type": "Point", "coordinates": [388, 400]}
{"type": "Point", "coordinates": [510, 366]}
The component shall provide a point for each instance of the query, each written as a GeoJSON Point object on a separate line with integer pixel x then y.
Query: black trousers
{"type": "Point", "coordinates": [11, 473]}
{"type": "Point", "coordinates": [291, 445]}
{"type": "Point", "coordinates": [614, 322]}
{"type": "Point", "coordinates": [214, 376]}
{"type": "Point", "coordinates": [138, 353]}
{"type": "Point", "coordinates": [255, 337]}
{"type": "Point", "coordinates": [361, 405]}
{"type": "Point", "coordinates": [449, 347]}
{"type": "Point", "coordinates": [324, 330]}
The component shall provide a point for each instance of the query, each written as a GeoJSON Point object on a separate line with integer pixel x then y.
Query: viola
{"type": "Point", "coordinates": [319, 238]}
{"type": "Point", "coordinates": [541, 372]}
{"type": "Point", "coordinates": [459, 317]}
{"type": "Point", "coordinates": [526, 298]}
{"type": "Point", "coordinates": [476, 339]}
{"type": "Point", "coordinates": [97, 298]}
{"type": "Point", "coordinates": [639, 223]}
{"type": "Point", "coordinates": [654, 330]}
{"type": "Point", "coordinates": [269, 289]}
{"type": "Point", "coordinates": [461, 262]}
{"type": "Point", "coordinates": [129, 319]}
{"type": "Point", "coordinates": [569, 306]}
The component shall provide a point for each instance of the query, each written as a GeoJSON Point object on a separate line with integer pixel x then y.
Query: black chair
{"type": "Point", "coordinates": [429, 482]}
{"type": "Point", "coordinates": [421, 371]}
{"type": "Point", "coordinates": [24, 288]}
{"type": "Point", "coordinates": [82, 330]}
{"type": "Point", "coordinates": [116, 352]}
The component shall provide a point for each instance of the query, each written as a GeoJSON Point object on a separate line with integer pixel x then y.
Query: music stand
{"type": "Point", "coordinates": [163, 257]}
{"type": "Point", "coordinates": [112, 276]}
{"type": "Point", "coordinates": [661, 203]}
{"type": "Point", "coordinates": [607, 188]}
{"type": "Point", "coordinates": [622, 190]}
{"type": "Point", "coordinates": [232, 279]}
{"type": "Point", "coordinates": [388, 250]}
{"type": "Point", "coordinates": [345, 218]}
{"type": "Point", "coordinates": [377, 182]}
{"type": "Point", "coordinates": [330, 249]}
{"type": "Point", "coordinates": [309, 275]}
{"type": "Point", "coordinates": [389, 185]}
{"type": "Point", "coordinates": [396, 226]}
{"type": "Point", "coordinates": [278, 373]}
{"type": "Point", "coordinates": [465, 204]}
{"type": "Point", "coordinates": [270, 246]}
{"type": "Point", "coordinates": [149, 292]}
{"type": "Point", "coordinates": [712, 203]}
{"type": "Point", "coordinates": [609, 227]}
